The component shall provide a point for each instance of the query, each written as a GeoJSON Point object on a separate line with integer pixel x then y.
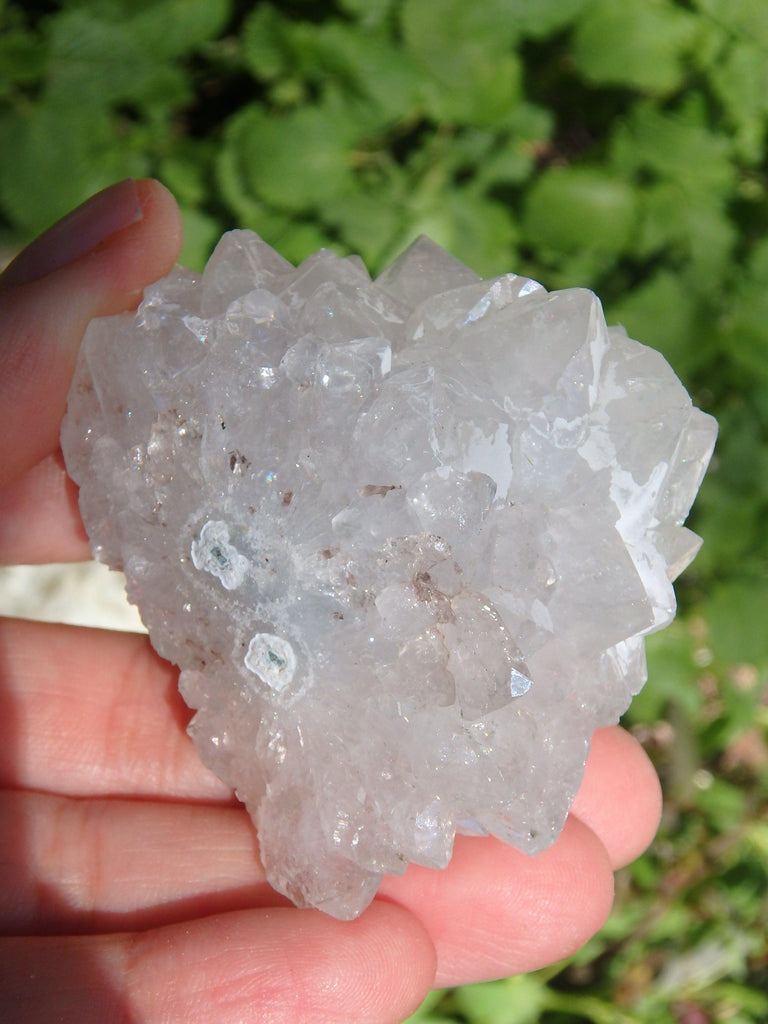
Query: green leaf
{"type": "Point", "coordinates": [265, 42]}
{"type": "Point", "coordinates": [518, 1000]}
{"type": "Point", "coordinates": [360, 61]}
{"type": "Point", "coordinates": [437, 31]}
{"type": "Point", "coordinates": [424, 1014]}
{"type": "Point", "coordinates": [539, 18]}
{"type": "Point", "coordinates": [201, 233]}
{"type": "Point", "coordinates": [723, 804]}
{"type": "Point", "coordinates": [249, 210]}
{"type": "Point", "coordinates": [173, 28]}
{"type": "Point", "coordinates": [472, 90]}
{"type": "Point", "coordinates": [22, 58]}
{"type": "Point", "coordinates": [513, 158]}
{"type": "Point", "coordinates": [736, 616]}
{"type": "Point", "coordinates": [635, 43]}
{"type": "Point", "coordinates": [494, 24]}
{"type": "Point", "coordinates": [484, 234]}
{"type": "Point", "coordinates": [479, 231]}
{"type": "Point", "coordinates": [297, 161]}
{"type": "Point", "coordinates": [740, 81]}
{"type": "Point", "coordinates": [746, 329]}
{"type": "Point", "coordinates": [742, 451]}
{"type": "Point", "coordinates": [474, 75]}
{"type": "Point", "coordinates": [676, 146]}
{"type": "Point", "coordinates": [368, 12]}
{"type": "Point", "coordinates": [739, 18]}
{"type": "Point", "coordinates": [570, 209]}
{"type": "Point", "coordinates": [686, 176]}
{"type": "Point", "coordinates": [300, 239]}
{"type": "Point", "coordinates": [102, 56]}
{"type": "Point", "coordinates": [661, 312]}
{"type": "Point", "coordinates": [671, 677]}
{"type": "Point", "coordinates": [184, 173]}
{"type": "Point", "coordinates": [732, 524]}
{"type": "Point", "coordinates": [711, 238]}
{"type": "Point", "coordinates": [681, 226]}
{"type": "Point", "coordinates": [366, 225]}
{"type": "Point", "coordinates": [363, 63]}
{"type": "Point", "coordinates": [757, 836]}
{"type": "Point", "coordinates": [752, 1003]}
{"type": "Point", "coordinates": [53, 162]}
{"type": "Point", "coordinates": [94, 63]}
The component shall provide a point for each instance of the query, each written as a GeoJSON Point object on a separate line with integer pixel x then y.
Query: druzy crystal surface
{"type": "Point", "coordinates": [403, 538]}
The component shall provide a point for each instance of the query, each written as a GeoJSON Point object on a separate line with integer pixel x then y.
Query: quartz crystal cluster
{"type": "Point", "coordinates": [403, 538]}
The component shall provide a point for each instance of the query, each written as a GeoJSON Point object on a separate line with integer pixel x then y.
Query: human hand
{"type": "Point", "coordinates": [131, 888]}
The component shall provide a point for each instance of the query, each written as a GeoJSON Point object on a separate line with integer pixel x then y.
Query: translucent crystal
{"type": "Point", "coordinates": [403, 538]}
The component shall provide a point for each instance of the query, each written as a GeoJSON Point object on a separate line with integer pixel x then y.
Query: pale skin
{"type": "Point", "coordinates": [130, 885]}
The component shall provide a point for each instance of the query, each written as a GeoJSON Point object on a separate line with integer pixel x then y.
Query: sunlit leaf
{"type": "Point", "coordinates": [265, 42]}
{"type": "Point", "coordinates": [518, 1000]}
{"type": "Point", "coordinates": [176, 27]}
{"type": "Point", "coordinates": [671, 677]}
{"type": "Point", "coordinates": [368, 64]}
{"type": "Point", "coordinates": [740, 81]}
{"type": "Point", "coordinates": [747, 323]}
{"type": "Point", "coordinates": [477, 230]}
{"type": "Point", "coordinates": [424, 1012]}
{"type": "Point", "coordinates": [201, 233]}
{"type": "Point", "coordinates": [537, 18]}
{"type": "Point", "coordinates": [575, 208]}
{"type": "Point", "coordinates": [740, 18]}
{"type": "Point", "coordinates": [96, 62]}
{"type": "Point", "coordinates": [732, 524]}
{"type": "Point", "coordinates": [51, 164]}
{"type": "Point", "coordinates": [736, 615]}
{"type": "Point", "coordinates": [677, 146]}
{"type": "Point", "coordinates": [634, 43]}
{"type": "Point", "coordinates": [300, 239]}
{"type": "Point", "coordinates": [295, 161]}
{"type": "Point", "coordinates": [367, 226]}
{"type": "Point", "coordinates": [662, 311]}
{"type": "Point", "coordinates": [22, 58]}
{"type": "Point", "coordinates": [474, 75]}
{"type": "Point", "coordinates": [723, 803]}
{"type": "Point", "coordinates": [368, 12]}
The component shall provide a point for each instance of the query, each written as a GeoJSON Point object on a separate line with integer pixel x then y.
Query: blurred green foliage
{"type": "Point", "coordinates": [620, 146]}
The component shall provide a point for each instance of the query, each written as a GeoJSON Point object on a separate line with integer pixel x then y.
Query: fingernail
{"type": "Point", "coordinates": [80, 232]}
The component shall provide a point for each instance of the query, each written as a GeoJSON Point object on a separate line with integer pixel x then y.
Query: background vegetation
{"type": "Point", "coordinates": [619, 145]}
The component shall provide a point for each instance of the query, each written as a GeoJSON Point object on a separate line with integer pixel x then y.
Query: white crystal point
{"type": "Point", "coordinates": [423, 270]}
{"type": "Point", "coordinates": [403, 538]}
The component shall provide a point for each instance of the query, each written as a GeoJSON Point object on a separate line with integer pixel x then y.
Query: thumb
{"type": "Point", "coordinates": [94, 262]}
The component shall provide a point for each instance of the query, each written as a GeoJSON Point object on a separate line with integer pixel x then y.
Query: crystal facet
{"type": "Point", "coordinates": [403, 538]}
